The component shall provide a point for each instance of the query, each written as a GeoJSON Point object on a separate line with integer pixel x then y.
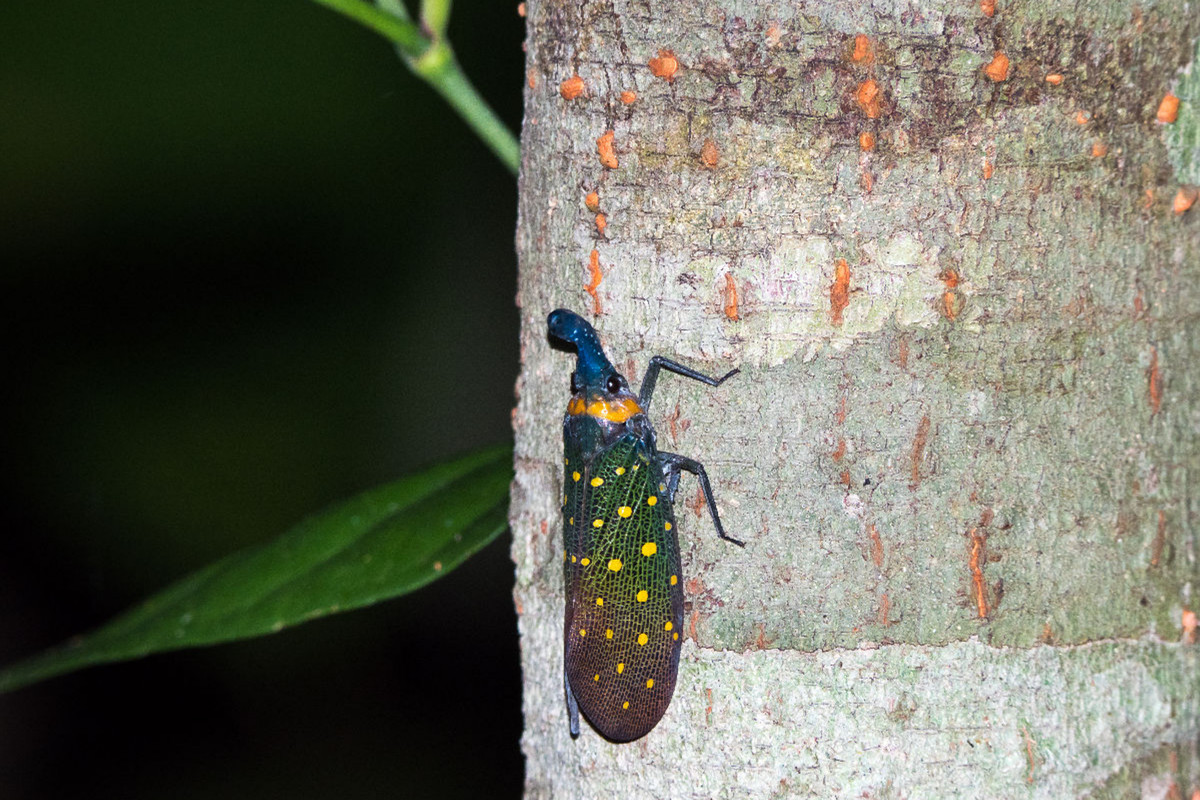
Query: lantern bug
{"type": "Point", "coordinates": [624, 609]}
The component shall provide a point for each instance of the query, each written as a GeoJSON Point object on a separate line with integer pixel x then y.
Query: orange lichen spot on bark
{"type": "Point", "coordinates": [1030, 754]}
{"type": "Point", "coordinates": [885, 606]}
{"type": "Point", "coordinates": [1168, 109]}
{"type": "Point", "coordinates": [774, 34]}
{"type": "Point", "coordinates": [997, 68]}
{"type": "Point", "coordinates": [864, 51]}
{"type": "Point", "coordinates": [592, 201]}
{"type": "Point", "coordinates": [876, 546]}
{"type": "Point", "coordinates": [868, 181]}
{"type": "Point", "coordinates": [840, 451]}
{"type": "Point", "coordinates": [762, 641]}
{"type": "Point", "coordinates": [665, 65]}
{"type": "Point", "coordinates": [1099, 149]}
{"type": "Point", "coordinates": [866, 141]}
{"type": "Point", "coordinates": [868, 97]}
{"type": "Point", "coordinates": [571, 88]}
{"type": "Point", "coordinates": [987, 170]}
{"type": "Point", "coordinates": [594, 277]}
{"type": "Point", "coordinates": [1082, 117]}
{"type": "Point", "coordinates": [1160, 539]}
{"type": "Point", "coordinates": [1154, 382]}
{"type": "Point", "coordinates": [698, 504]}
{"type": "Point", "coordinates": [844, 477]}
{"type": "Point", "coordinates": [840, 416]}
{"type": "Point", "coordinates": [531, 78]}
{"type": "Point", "coordinates": [950, 296]}
{"type": "Point", "coordinates": [1185, 198]}
{"type": "Point", "coordinates": [628, 97]}
{"type": "Point", "coordinates": [988, 7]}
{"type": "Point", "coordinates": [521, 10]}
{"type": "Point", "coordinates": [1188, 621]}
{"type": "Point", "coordinates": [606, 151]}
{"type": "Point", "coordinates": [708, 706]}
{"type": "Point", "coordinates": [731, 298]}
{"type": "Point", "coordinates": [978, 558]}
{"type": "Point", "coordinates": [918, 450]}
{"type": "Point", "coordinates": [839, 292]}
{"type": "Point", "coordinates": [601, 223]}
{"type": "Point", "coordinates": [1148, 199]}
{"type": "Point", "coordinates": [692, 624]}
{"type": "Point", "coordinates": [1054, 78]}
{"type": "Point", "coordinates": [709, 154]}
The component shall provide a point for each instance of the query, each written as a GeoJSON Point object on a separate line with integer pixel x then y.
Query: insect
{"type": "Point", "coordinates": [624, 610]}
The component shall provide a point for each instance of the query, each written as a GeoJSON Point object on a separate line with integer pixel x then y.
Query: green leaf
{"type": "Point", "coordinates": [383, 543]}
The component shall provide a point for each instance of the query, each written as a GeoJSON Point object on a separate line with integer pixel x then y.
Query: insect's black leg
{"type": "Point", "coordinates": [572, 707]}
{"type": "Point", "coordinates": [672, 463]}
{"type": "Point", "coordinates": [658, 362]}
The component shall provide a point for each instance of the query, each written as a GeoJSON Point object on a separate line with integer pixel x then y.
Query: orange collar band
{"type": "Point", "coordinates": [609, 409]}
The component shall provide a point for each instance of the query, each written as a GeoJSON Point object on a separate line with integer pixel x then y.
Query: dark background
{"type": "Point", "coordinates": [251, 266]}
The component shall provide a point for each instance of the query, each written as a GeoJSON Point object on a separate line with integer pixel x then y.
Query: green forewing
{"type": "Point", "coordinates": [624, 596]}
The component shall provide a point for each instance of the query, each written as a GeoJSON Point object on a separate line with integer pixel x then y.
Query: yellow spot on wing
{"type": "Point", "coordinates": [582, 632]}
{"type": "Point", "coordinates": [625, 704]}
{"type": "Point", "coordinates": [652, 500]}
{"type": "Point", "coordinates": [608, 634]}
{"type": "Point", "coordinates": [597, 481]}
{"type": "Point", "coordinates": [585, 561]}
{"type": "Point", "coordinates": [649, 549]}
{"type": "Point", "coordinates": [620, 668]}
{"type": "Point", "coordinates": [599, 601]}
{"type": "Point", "coordinates": [597, 677]}
{"type": "Point", "coordinates": [642, 596]}
{"type": "Point", "coordinates": [575, 476]}
{"type": "Point", "coordinates": [625, 511]}
{"type": "Point", "coordinates": [650, 683]}
{"type": "Point", "coordinates": [572, 559]}
{"type": "Point", "coordinates": [643, 638]}
{"type": "Point", "coordinates": [675, 636]}
{"type": "Point", "coordinates": [597, 523]}
{"type": "Point", "coordinates": [674, 579]}
{"type": "Point", "coordinates": [615, 565]}
{"type": "Point", "coordinates": [668, 626]}
{"type": "Point", "coordinates": [666, 526]}
{"type": "Point", "coordinates": [620, 470]}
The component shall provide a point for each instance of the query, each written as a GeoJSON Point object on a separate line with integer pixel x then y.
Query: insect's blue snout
{"type": "Point", "coordinates": [593, 367]}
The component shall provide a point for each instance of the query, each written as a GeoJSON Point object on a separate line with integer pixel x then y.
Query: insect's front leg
{"type": "Point", "coordinates": [658, 362]}
{"type": "Point", "coordinates": [672, 464]}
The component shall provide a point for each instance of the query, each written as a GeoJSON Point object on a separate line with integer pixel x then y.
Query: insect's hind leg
{"type": "Point", "coordinates": [673, 463]}
{"type": "Point", "coordinates": [572, 707]}
{"type": "Point", "coordinates": [659, 362]}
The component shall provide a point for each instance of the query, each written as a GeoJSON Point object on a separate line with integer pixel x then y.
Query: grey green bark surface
{"type": "Point", "coordinates": [964, 469]}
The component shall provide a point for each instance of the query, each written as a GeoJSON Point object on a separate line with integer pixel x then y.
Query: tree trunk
{"type": "Point", "coordinates": [939, 240]}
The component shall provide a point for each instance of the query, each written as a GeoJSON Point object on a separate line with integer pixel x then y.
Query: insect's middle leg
{"type": "Point", "coordinates": [672, 464]}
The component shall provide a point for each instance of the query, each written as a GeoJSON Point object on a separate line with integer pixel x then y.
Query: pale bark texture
{"type": "Point", "coordinates": [962, 449]}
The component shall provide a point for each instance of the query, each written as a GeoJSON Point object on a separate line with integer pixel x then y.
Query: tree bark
{"type": "Point", "coordinates": [939, 240]}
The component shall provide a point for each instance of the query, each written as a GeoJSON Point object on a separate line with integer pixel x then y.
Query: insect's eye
{"type": "Point", "coordinates": [574, 384]}
{"type": "Point", "coordinates": [614, 384]}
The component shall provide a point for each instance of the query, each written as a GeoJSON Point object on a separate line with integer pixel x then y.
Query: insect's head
{"type": "Point", "coordinates": [593, 370]}
{"type": "Point", "coordinates": [595, 383]}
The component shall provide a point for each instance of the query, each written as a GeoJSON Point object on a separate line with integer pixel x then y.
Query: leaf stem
{"type": "Point", "coordinates": [428, 54]}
